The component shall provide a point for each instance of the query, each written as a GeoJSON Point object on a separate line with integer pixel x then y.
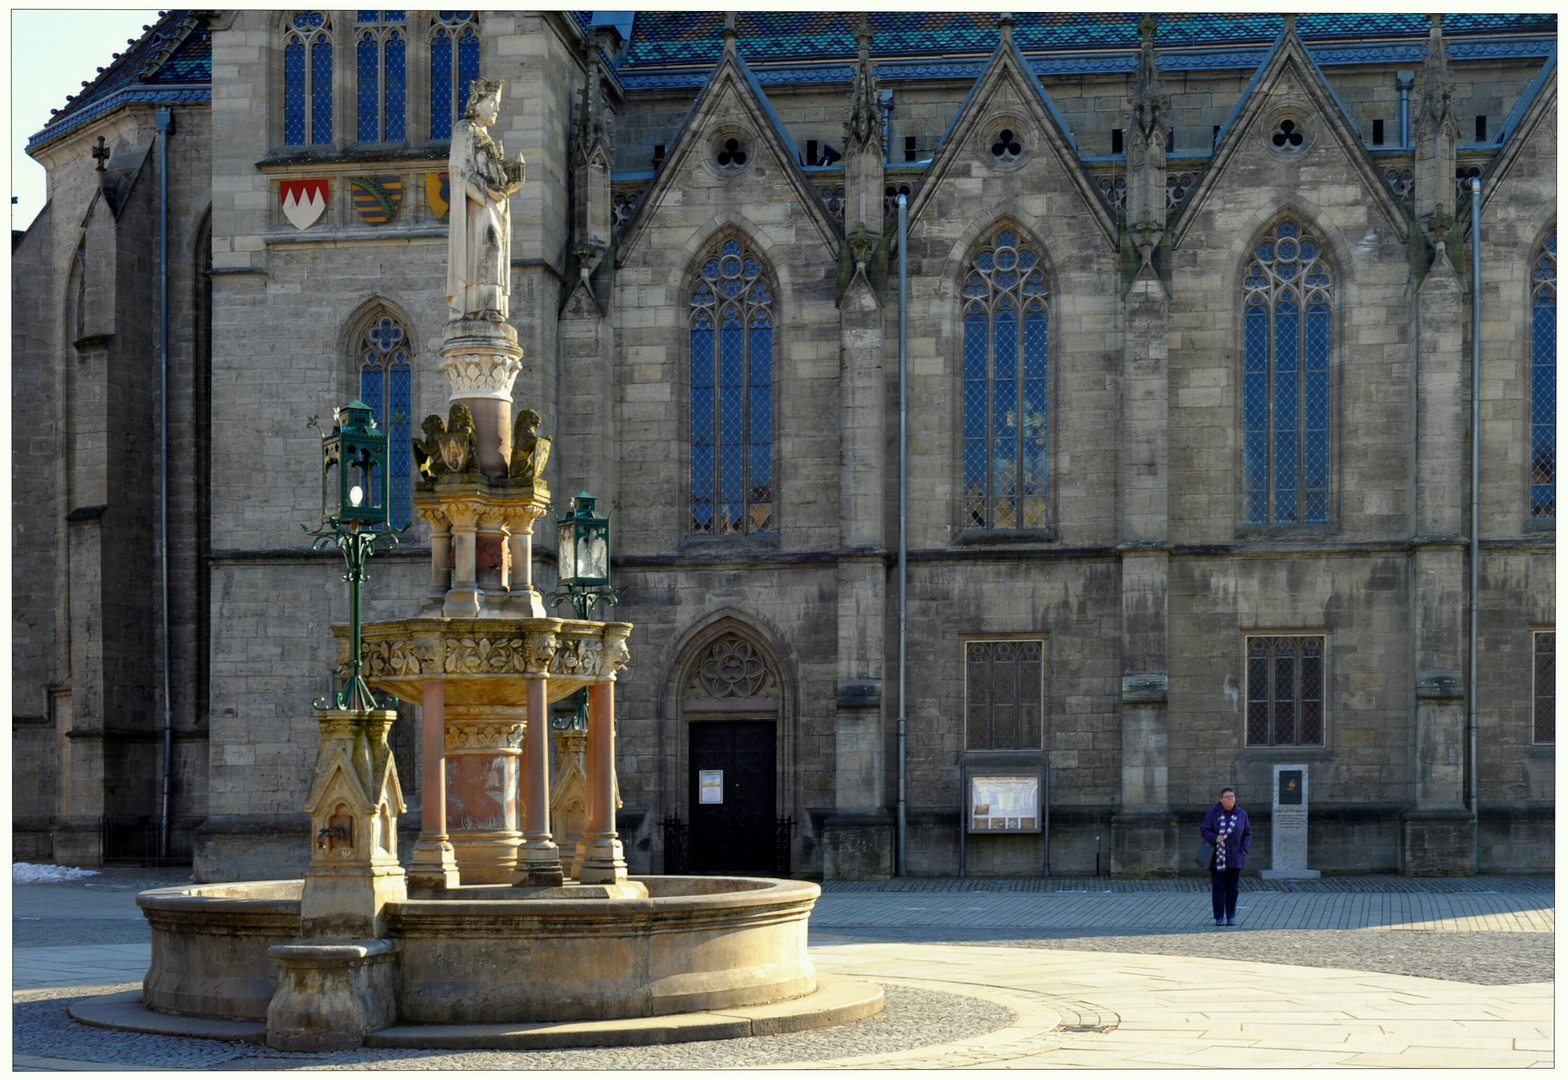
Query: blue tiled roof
{"type": "Point", "coordinates": [684, 38]}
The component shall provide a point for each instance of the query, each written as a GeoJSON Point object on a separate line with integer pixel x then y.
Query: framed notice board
{"type": "Point", "coordinates": [1003, 799]}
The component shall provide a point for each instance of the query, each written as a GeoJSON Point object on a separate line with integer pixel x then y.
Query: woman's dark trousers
{"type": "Point", "coordinates": [1226, 884]}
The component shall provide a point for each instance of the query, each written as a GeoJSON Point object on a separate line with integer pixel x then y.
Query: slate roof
{"type": "Point", "coordinates": [683, 38]}
{"type": "Point", "coordinates": [171, 61]}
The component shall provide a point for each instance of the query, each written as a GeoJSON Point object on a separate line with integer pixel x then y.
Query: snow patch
{"type": "Point", "coordinates": [43, 874]}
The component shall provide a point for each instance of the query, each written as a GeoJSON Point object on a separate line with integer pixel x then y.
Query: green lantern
{"type": "Point", "coordinates": [583, 557]}
{"type": "Point", "coordinates": [354, 474]}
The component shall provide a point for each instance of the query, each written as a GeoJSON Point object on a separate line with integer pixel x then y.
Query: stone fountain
{"type": "Point", "coordinates": [491, 923]}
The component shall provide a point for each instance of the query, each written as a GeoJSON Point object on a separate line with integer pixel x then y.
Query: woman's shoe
{"type": "Point", "coordinates": [1230, 922]}
{"type": "Point", "coordinates": [1219, 922]}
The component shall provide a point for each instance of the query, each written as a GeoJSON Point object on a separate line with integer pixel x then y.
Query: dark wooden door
{"type": "Point", "coordinates": [736, 835]}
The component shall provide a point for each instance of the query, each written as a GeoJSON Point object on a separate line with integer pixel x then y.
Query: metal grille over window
{"type": "Point", "coordinates": [1543, 382]}
{"type": "Point", "coordinates": [1004, 694]}
{"type": "Point", "coordinates": [1285, 691]}
{"type": "Point", "coordinates": [382, 43]}
{"type": "Point", "coordinates": [1546, 687]}
{"type": "Point", "coordinates": [732, 395]}
{"type": "Point", "coordinates": [386, 384]}
{"type": "Point", "coordinates": [307, 80]}
{"type": "Point", "coordinates": [1285, 391]}
{"type": "Point", "coordinates": [1005, 386]}
{"type": "Point", "coordinates": [454, 63]}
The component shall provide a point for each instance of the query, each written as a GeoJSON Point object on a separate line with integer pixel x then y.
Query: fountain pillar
{"type": "Point", "coordinates": [434, 863]}
{"type": "Point", "coordinates": [525, 601]}
{"type": "Point", "coordinates": [463, 600]}
{"type": "Point", "coordinates": [539, 861]}
{"type": "Point", "coordinates": [604, 860]}
{"type": "Point", "coordinates": [440, 555]}
{"type": "Point", "coordinates": [483, 751]}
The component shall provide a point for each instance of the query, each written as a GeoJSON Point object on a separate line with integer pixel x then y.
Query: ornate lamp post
{"type": "Point", "coordinates": [354, 499]}
{"type": "Point", "coordinates": [583, 558]}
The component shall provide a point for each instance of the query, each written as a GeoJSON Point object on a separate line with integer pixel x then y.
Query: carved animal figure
{"type": "Point", "coordinates": [427, 451]}
{"type": "Point", "coordinates": [530, 450]}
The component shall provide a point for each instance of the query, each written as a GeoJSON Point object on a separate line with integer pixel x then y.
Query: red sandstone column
{"type": "Point", "coordinates": [433, 865]}
{"type": "Point", "coordinates": [539, 861]}
{"type": "Point", "coordinates": [604, 860]}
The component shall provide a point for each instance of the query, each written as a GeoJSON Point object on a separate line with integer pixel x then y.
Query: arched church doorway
{"type": "Point", "coordinates": [732, 704]}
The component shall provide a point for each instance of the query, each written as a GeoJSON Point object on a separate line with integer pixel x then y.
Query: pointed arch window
{"type": "Point", "coordinates": [386, 384]}
{"type": "Point", "coordinates": [381, 44]}
{"type": "Point", "coordinates": [731, 324]}
{"type": "Point", "coordinates": [454, 63]}
{"type": "Point", "coordinates": [1543, 381]}
{"type": "Point", "coordinates": [1287, 307]}
{"type": "Point", "coordinates": [1005, 387]}
{"type": "Point", "coordinates": [307, 79]}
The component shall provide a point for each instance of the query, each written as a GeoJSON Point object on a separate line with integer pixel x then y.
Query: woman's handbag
{"type": "Point", "coordinates": [1206, 855]}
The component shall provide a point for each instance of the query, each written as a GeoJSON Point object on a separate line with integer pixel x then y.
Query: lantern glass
{"type": "Point", "coordinates": [356, 456]}
{"type": "Point", "coordinates": [583, 545]}
{"type": "Point", "coordinates": [566, 551]}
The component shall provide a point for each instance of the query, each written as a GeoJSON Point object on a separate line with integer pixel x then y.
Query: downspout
{"type": "Point", "coordinates": [899, 867]}
{"type": "Point", "coordinates": [165, 121]}
{"type": "Point", "coordinates": [1475, 515]}
{"type": "Point", "coordinates": [1404, 81]}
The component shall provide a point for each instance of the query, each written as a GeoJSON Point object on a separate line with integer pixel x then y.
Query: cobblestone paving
{"type": "Point", "coordinates": [1333, 883]}
{"type": "Point", "coordinates": [913, 1018]}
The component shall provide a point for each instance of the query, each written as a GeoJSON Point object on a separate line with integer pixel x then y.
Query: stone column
{"type": "Point", "coordinates": [440, 556]}
{"type": "Point", "coordinates": [524, 601]}
{"type": "Point", "coordinates": [433, 864]}
{"type": "Point", "coordinates": [490, 554]}
{"type": "Point", "coordinates": [465, 598]}
{"type": "Point", "coordinates": [604, 860]}
{"type": "Point", "coordinates": [539, 861]}
{"type": "Point", "coordinates": [481, 360]}
{"type": "Point", "coordinates": [483, 753]}
{"type": "Point", "coordinates": [1437, 836]}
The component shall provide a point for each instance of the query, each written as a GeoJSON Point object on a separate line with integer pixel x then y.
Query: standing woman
{"type": "Point", "coordinates": [1227, 828]}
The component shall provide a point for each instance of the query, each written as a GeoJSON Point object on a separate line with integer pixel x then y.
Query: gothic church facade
{"type": "Point", "coordinates": [1185, 313]}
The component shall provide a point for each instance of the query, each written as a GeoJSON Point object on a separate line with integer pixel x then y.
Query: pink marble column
{"type": "Point", "coordinates": [604, 860]}
{"type": "Point", "coordinates": [433, 864]}
{"type": "Point", "coordinates": [539, 860]}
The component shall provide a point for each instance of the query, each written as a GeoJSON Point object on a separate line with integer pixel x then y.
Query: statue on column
{"type": "Point", "coordinates": [483, 179]}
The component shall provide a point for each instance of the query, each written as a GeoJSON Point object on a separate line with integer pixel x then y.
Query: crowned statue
{"type": "Point", "coordinates": [483, 179]}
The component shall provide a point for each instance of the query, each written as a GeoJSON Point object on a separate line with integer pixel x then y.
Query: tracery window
{"type": "Point", "coordinates": [1285, 391]}
{"type": "Point", "coordinates": [1004, 694]}
{"type": "Point", "coordinates": [307, 79]}
{"type": "Point", "coordinates": [454, 63]}
{"type": "Point", "coordinates": [1005, 387]}
{"type": "Point", "coordinates": [1543, 381]}
{"type": "Point", "coordinates": [386, 384]}
{"type": "Point", "coordinates": [1545, 687]}
{"type": "Point", "coordinates": [381, 39]}
{"type": "Point", "coordinates": [1285, 691]}
{"type": "Point", "coordinates": [732, 395]}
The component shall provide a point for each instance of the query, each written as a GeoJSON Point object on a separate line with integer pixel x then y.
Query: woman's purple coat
{"type": "Point", "coordinates": [1237, 844]}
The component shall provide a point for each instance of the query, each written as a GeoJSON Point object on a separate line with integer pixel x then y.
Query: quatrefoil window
{"type": "Point", "coordinates": [1288, 137]}
{"type": "Point", "coordinates": [1006, 148]}
{"type": "Point", "coordinates": [732, 155]}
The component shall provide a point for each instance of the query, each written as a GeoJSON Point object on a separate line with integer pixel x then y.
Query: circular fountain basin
{"type": "Point", "coordinates": [694, 944]}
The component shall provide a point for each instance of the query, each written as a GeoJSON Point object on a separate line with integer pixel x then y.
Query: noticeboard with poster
{"type": "Point", "coordinates": [1009, 804]}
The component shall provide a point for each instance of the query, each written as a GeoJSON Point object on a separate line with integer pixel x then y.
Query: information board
{"type": "Point", "coordinates": [1004, 804]}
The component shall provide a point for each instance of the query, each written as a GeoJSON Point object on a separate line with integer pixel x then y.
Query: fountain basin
{"type": "Point", "coordinates": [694, 944]}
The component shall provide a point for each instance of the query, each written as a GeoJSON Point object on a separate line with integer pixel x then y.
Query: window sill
{"type": "Point", "coordinates": [1541, 525]}
{"type": "Point", "coordinates": [1286, 753]}
{"type": "Point", "coordinates": [1541, 750]}
{"type": "Point", "coordinates": [1004, 537]}
{"type": "Point", "coordinates": [1322, 530]}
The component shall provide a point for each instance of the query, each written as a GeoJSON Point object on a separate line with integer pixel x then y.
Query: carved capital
{"type": "Point", "coordinates": [480, 370]}
{"type": "Point", "coordinates": [493, 517]}
{"type": "Point", "coordinates": [483, 735]}
{"type": "Point", "coordinates": [464, 514]}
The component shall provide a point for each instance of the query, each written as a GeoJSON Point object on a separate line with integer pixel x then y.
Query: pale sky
{"type": "Point", "coordinates": [52, 51]}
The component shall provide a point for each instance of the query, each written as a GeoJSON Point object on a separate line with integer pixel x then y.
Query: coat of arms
{"type": "Point", "coordinates": [438, 192]}
{"type": "Point", "coordinates": [303, 201]}
{"type": "Point", "coordinates": [376, 198]}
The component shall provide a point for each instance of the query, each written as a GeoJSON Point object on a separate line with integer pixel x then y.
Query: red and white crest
{"type": "Point", "coordinates": [303, 200]}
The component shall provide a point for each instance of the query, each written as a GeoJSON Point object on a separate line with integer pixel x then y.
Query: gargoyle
{"type": "Point", "coordinates": [530, 450]}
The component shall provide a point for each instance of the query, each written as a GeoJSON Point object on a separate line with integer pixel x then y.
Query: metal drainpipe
{"type": "Point", "coordinates": [900, 868]}
{"type": "Point", "coordinates": [1404, 81]}
{"type": "Point", "coordinates": [165, 121]}
{"type": "Point", "coordinates": [1475, 515]}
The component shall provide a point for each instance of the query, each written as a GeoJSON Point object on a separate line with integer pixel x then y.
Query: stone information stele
{"type": "Point", "coordinates": [1288, 827]}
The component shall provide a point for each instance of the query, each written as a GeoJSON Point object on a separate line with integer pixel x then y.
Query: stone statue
{"type": "Point", "coordinates": [479, 244]}
{"type": "Point", "coordinates": [530, 450]}
{"type": "Point", "coordinates": [448, 446]}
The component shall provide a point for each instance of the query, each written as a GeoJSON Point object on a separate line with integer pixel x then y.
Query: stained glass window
{"type": "Point", "coordinates": [454, 63]}
{"type": "Point", "coordinates": [1285, 381]}
{"type": "Point", "coordinates": [732, 395]}
{"type": "Point", "coordinates": [382, 43]}
{"type": "Point", "coordinates": [1543, 382]}
{"type": "Point", "coordinates": [1285, 691]}
{"type": "Point", "coordinates": [1004, 694]}
{"type": "Point", "coordinates": [307, 79]}
{"type": "Point", "coordinates": [386, 384]}
{"type": "Point", "coordinates": [1546, 687]}
{"type": "Point", "coordinates": [1005, 387]}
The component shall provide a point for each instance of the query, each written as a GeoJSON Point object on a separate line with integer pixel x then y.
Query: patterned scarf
{"type": "Point", "coordinates": [1225, 826]}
